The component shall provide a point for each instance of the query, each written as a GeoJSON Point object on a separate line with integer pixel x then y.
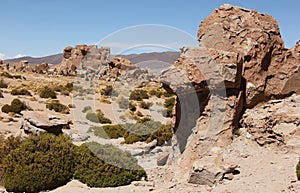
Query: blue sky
{"type": "Point", "coordinates": [44, 27]}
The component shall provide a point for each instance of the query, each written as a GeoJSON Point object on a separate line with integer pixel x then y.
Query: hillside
{"type": "Point", "coordinates": [165, 57]}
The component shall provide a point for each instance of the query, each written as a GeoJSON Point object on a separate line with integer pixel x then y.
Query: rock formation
{"type": "Point", "coordinates": [240, 63]}
{"type": "Point", "coordinates": [90, 56]}
{"type": "Point", "coordinates": [39, 122]}
{"type": "Point", "coordinates": [269, 68]}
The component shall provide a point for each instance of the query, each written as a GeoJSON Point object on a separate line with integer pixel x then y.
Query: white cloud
{"type": "Point", "coordinates": [2, 56]}
{"type": "Point", "coordinates": [18, 56]}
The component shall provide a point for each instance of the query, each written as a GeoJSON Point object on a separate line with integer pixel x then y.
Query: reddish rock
{"type": "Point", "coordinates": [269, 68]}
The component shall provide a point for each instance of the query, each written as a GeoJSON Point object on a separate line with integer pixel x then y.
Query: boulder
{"type": "Point", "coordinates": [274, 122]}
{"type": "Point", "coordinates": [37, 122]}
{"type": "Point", "coordinates": [268, 67]}
{"type": "Point", "coordinates": [210, 171]}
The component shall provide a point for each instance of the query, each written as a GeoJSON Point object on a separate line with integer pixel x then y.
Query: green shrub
{"type": "Point", "coordinates": [123, 102]}
{"type": "Point", "coordinates": [97, 118]}
{"type": "Point", "coordinates": [98, 131]}
{"type": "Point", "coordinates": [132, 138]}
{"type": "Point", "coordinates": [113, 155]}
{"type": "Point", "coordinates": [6, 146]}
{"type": "Point", "coordinates": [138, 95]}
{"type": "Point", "coordinates": [69, 87]}
{"type": "Point", "coordinates": [47, 92]}
{"type": "Point", "coordinates": [107, 91]}
{"type": "Point", "coordinates": [298, 170]}
{"type": "Point", "coordinates": [16, 106]}
{"type": "Point", "coordinates": [45, 162]}
{"type": "Point", "coordinates": [7, 75]}
{"type": "Point", "coordinates": [41, 163]}
{"type": "Point", "coordinates": [168, 104]}
{"type": "Point", "coordinates": [58, 107]}
{"type": "Point", "coordinates": [95, 172]}
{"type": "Point", "coordinates": [86, 109]}
{"type": "Point", "coordinates": [114, 131]}
{"type": "Point", "coordinates": [145, 105]}
{"type": "Point", "coordinates": [162, 135]}
{"type": "Point", "coordinates": [3, 84]}
{"type": "Point", "coordinates": [22, 91]}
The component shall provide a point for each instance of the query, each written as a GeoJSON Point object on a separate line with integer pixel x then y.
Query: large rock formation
{"type": "Point", "coordinates": [82, 56]}
{"type": "Point", "coordinates": [269, 68]}
{"type": "Point", "coordinates": [241, 62]}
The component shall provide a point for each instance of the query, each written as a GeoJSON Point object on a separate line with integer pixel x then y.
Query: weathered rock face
{"type": "Point", "coordinates": [41, 68]}
{"type": "Point", "coordinates": [268, 67]}
{"type": "Point", "coordinates": [82, 56]}
{"type": "Point", "coordinates": [274, 122]}
{"type": "Point", "coordinates": [240, 63]}
{"type": "Point", "coordinates": [20, 66]}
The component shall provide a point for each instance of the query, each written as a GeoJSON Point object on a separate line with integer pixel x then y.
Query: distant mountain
{"type": "Point", "coordinates": [164, 57]}
{"type": "Point", "coordinates": [52, 59]}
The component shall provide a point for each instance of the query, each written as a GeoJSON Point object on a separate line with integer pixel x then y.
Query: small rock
{"type": "Point", "coordinates": [229, 176]}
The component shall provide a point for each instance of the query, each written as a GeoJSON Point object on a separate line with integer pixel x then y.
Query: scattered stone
{"type": "Point", "coordinates": [163, 158]}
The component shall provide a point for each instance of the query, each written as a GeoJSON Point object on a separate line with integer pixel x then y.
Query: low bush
{"type": "Point", "coordinates": [123, 102]}
{"type": "Point", "coordinates": [95, 172]}
{"type": "Point", "coordinates": [16, 106]}
{"type": "Point", "coordinates": [45, 162]}
{"type": "Point", "coordinates": [22, 91]}
{"type": "Point", "coordinates": [138, 95]}
{"type": "Point", "coordinates": [168, 104]}
{"type": "Point", "coordinates": [298, 170]}
{"type": "Point", "coordinates": [86, 109]}
{"type": "Point", "coordinates": [114, 131]}
{"type": "Point", "coordinates": [97, 118]}
{"type": "Point", "coordinates": [7, 75]}
{"type": "Point", "coordinates": [41, 163]}
{"type": "Point", "coordinates": [162, 135]}
{"type": "Point", "coordinates": [6, 146]}
{"type": "Point", "coordinates": [107, 91]}
{"type": "Point", "coordinates": [47, 92]}
{"type": "Point", "coordinates": [145, 105]}
{"type": "Point", "coordinates": [3, 84]}
{"type": "Point", "coordinates": [146, 130]}
{"type": "Point", "coordinates": [58, 107]}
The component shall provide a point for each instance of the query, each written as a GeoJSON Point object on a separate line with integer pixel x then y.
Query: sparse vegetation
{"type": "Point", "coordinates": [168, 104]}
{"type": "Point", "coordinates": [47, 92]}
{"type": "Point", "coordinates": [298, 170]}
{"type": "Point", "coordinates": [86, 109]}
{"type": "Point", "coordinates": [16, 106]}
{"type": "Point", "coordinates": [58, 107]}
{"type": "Point", "coordinates": [3, 84]}
{"type": "Point", "coordinates": [138, 95]}
{"type": "Point", "coordinates": [97, 118]}
{"type": "Point", "coordinates": [144, 130]}
{"type": "Point", "coordinates": [7, 75]}
{"type": "Point", "coordinates": [123, 102]}
{"type": "Point", "coordinates": [21, 91]}
{"type": "Point", "coordinates": [145, 105]}
{"type": "Point", "coordinates": [107, 91]}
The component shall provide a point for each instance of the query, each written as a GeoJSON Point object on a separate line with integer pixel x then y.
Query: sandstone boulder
{"type": "Point", "coordinates": [36, 122]}
{"type": "Point", "coordinates": [268, 67]}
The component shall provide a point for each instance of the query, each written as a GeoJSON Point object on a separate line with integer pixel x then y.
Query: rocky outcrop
{"type": "Point", "coordinates": [41, 68]}
{"type": "Point", "coordinates": [240, 63]}
{"type": "Point", "coordinates": [274, 122]}
{"type": "Point", "coordinates": [268, 67]}
{"type": "Point", "coordinates": [82, 56]}
{"type": "Point", "coordinates": [40, 122]}
{"type": "Point", "coordinates": [21, 66]}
